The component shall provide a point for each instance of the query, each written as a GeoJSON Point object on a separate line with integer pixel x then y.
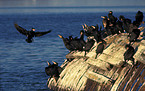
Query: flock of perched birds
{"type": "Point", "coordinates": [111, 25]}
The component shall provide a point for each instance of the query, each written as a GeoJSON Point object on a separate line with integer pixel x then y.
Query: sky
{"type": "Point", "coordinates": [69, 3]}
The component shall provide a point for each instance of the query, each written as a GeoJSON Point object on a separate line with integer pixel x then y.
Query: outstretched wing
{"type": "Point", "coordinates": [21, 30]}
{"type": "Point", "coordinates": [37, 34]}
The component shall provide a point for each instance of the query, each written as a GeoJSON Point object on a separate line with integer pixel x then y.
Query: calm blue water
{"type": "Point", "coordinates": [22, 64]}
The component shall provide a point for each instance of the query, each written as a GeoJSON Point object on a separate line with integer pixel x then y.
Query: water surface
{"type": "Point", "coordinates": [22, 64]}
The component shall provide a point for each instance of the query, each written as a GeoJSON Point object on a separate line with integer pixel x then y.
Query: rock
{"type": "Point", "coordinates": [85, 73]}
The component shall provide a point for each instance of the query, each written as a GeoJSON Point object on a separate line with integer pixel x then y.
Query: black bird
{"type": "Point", "coordinates": [111, 23]}
{"type": "Point", "coordinates": [126, 23]}
{"type": "Point", "coordinates": [112, 18]}
{"type": "Point", "coordinates": [134, 35]}
{"type": "Point", "coordinates": [89, 44]}
{"type": "Point", "coordinates": [105, 21]}
{"type": "Point", "coordinates": [100, 47]}
{"type": "Point", "coordinates": [139, 17]}
{"type": "Point", "coordinates": [106, 26]}
{"type": "Point", "coordinates": [67, 43]}
{"type": "Point", "coordinates": [89, 31]}
{"type": "Point", "coordinates": [74, 44]}
{"type": "Point", "coordinates": [30, 34]}
{"type": "Point", "coordinates": [97, 34]}
{"type": "Point", "coordinates": [78, 43]}
{"type": "Point", "coordinates": [133, 26]}
{"type": "Point", "coordinates": [81, 40]}
{"type": "Point", "coordinates": [118, 27]}
{"type": "Point", "coordinates": [53, 70]}
{"type": "Point", "coordinates": [128, 55]}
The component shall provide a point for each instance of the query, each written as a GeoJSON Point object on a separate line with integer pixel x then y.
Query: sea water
{"type": "Point", "coordinates": [22, 64]}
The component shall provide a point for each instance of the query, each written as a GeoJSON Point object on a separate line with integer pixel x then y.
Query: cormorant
{"type": "Point", "coordinates": [126, 23]}
{"type": "Point", "coordinates": [89, 30]}
{"type": "Point", "coordinates": [89, 44]}
{"type": "Point", "coordinates": [53, 70]}
{"type": "Point", "coordinates": [30, 34]}
{"type": "Point", "coordinates": [97, 34]}
{"type": "Point", "coordinates": [78, 43]}
{"type": "Point", "coordinates": [133, 26]}
{"type": "Point", "coordinates": [67, 43]}
{"type": "Point", "coordinates": [100, 47]}
{"type": "Point", "coordinates": [106, 26]}
{"type": "Point", "coordinates": [105, 21]}
{"type": "Point", "coordinates": [112, 19]}
{"type": "Point", "coordinates": [118, 27]}
{"type": "Point", "coordinates": [128, 55]}
{"type": "Point", "coordinates": [74, 43]}
{"type": "Point", "coordinates": [134, 35]}
{"type": "Point", "coordinates": [82, 41]}
{"type": "Point", "coordinates": [111, 23]}
{"type": "Point", "coordinates": [139, 17]}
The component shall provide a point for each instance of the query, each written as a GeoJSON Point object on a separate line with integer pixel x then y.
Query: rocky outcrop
{"type": "Point", "coordinates": [85, 73]}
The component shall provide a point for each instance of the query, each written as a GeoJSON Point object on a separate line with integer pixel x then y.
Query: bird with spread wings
{"type": "Point", "coordinates": [30, 34]}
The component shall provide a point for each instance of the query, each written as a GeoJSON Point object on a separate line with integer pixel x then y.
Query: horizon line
{"type": "Point", "coordinates": [70, 7]}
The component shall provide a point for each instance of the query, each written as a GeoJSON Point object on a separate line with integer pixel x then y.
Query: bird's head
{"type": "Point", "coordinates": [60, 36]}
{"type": "Point", "coordinates": [33, 29]}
